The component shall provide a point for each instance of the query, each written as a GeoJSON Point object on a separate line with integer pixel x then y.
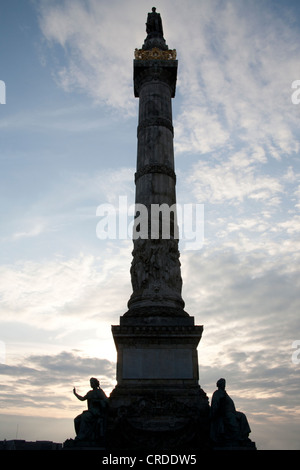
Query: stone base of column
{"type": "Point", "coordinates": [158, 419]}
{"type": "Point", "coordinates": [158, 404]}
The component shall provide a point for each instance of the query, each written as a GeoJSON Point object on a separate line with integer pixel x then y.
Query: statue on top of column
{"type": "Point", "coordinates": [154, 23]}
{"type": "Point", "coordinates": [155, 35]}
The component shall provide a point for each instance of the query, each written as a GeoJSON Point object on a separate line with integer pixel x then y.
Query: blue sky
{"type": "Point", "coordinates": [68, 144]}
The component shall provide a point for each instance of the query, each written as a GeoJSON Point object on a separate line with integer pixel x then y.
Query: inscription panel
{"type": "Point", "coordinates": [157, 363]}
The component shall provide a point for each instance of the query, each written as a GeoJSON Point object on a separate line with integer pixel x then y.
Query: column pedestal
{"type": "Point", "coordinates": [158, 403]}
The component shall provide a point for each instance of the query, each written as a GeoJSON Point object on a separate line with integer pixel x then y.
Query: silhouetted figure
{"type": "Point", "coordinates": [154, 23]}
{"type": "Point", "coordinates": [228, 426]}
{"type": "Point", "coordinates": [90, 425]}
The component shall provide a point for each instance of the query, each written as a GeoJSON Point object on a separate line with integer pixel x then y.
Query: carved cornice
{"type": "Point", "coordinates": [155, 54]}
{"type": "Point", "coordinates": [155, 168]}
{"type": "Point", "coordinates": [189, 332]}
{"type": "Point", "coordinates": [155, 334]}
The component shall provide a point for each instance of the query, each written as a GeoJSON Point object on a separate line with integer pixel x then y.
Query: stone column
{"type": "Point", "coordinates": [157, 402]}
{"type": "Point", "coordinates": [155, 269]}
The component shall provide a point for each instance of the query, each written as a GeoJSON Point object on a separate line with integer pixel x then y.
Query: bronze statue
{"type": "Point", "coordinates": [154, 23]}
{"type": "Point", "coordinates": [90, 424]}
{"type": "Point", "coordinates": [228, 426]}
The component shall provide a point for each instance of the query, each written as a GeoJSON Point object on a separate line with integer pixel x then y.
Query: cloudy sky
{"type": "Point", "coordinates": [68, 145]}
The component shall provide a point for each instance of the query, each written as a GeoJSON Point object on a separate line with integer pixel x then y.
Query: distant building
{"type": "Point", "coordinates": [20, 444]}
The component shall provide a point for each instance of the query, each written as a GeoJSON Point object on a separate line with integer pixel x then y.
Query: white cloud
{"type": "Point", "coordinates": [235, 179]}
{"type": "Point", "coordinates": [198, 129]}
{"type": "Point", "coordinates": [235, 71]}
{"type": "Point", "coordinates": [36, 230]}
{"type": "Point", "coordinates": [98, 40]}
{"type": "Point", "coordinates": [235, 67]}
{"type": "Point", "coordinates": [59, 293]}
{"type": "Point", "coordinates": [297, 195]}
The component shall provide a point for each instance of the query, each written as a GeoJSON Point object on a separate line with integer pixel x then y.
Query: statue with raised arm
{"type": "Point", "coordinates": [228, 426]}
{"type": "Point", "coordinates": [90, 424]}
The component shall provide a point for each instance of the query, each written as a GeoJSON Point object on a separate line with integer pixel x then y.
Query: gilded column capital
{"type": "Point", "coordinates": [155, 54]}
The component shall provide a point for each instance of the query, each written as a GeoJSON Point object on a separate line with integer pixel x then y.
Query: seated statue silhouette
{"type": "Point", "coordinates": [228, 426]}
{"type": "Point", "coordinates": [90, 424]}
